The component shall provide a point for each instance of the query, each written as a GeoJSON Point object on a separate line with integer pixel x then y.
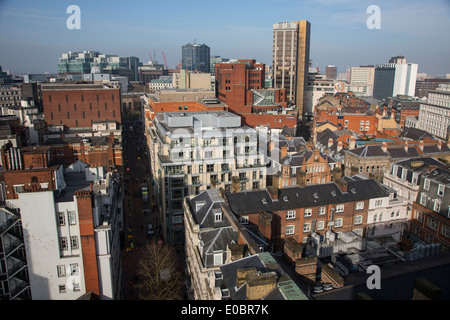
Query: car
{"type": "Point", "coordinates": [150, 231]}
{"type": "Point", "coordinates": [318, 289]}
{"type": "Point", "coordinates": [327, 286]}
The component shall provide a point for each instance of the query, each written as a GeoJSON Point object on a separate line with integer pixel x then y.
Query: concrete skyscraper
{"type": "Point", "coordinates": [291, 60]}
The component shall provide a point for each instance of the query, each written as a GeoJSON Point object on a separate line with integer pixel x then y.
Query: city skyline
{"type": "Point", "coordinates": [38, 34]}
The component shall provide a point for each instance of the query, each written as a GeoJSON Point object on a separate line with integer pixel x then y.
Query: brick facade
{"type": "Point", "coordinates": [76, 106]}
{"type": "Point", "coordinates": [84, 205]}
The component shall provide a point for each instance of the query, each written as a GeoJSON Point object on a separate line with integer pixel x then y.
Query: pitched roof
{"type": "Point", "coordinates": [304, 197]}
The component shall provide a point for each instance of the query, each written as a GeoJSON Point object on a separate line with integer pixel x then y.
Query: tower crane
{"type": "Point", "coordinates": [165, 60]}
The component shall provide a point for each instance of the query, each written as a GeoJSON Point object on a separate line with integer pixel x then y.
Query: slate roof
{"type": "Point", "coordinates": [286, 288]}
{"type": "Point", "coordinates": [398, 151]}
{"type": "Point", "coordinates": [415, 134]}
{"type": "Point", "coordinates": [297, 197]}
{"type": "Point", "coordinates": [215, 236]}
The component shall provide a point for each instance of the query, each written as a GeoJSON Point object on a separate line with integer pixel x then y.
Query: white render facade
{"type": "Point", "coordinates": [387, 216]}
{"type": "Point", "coordinates": [197, 151]}
{"type": "Point", "coordinates": [434, 115]}
{"type": "Point", "coordinates": [53, 241]}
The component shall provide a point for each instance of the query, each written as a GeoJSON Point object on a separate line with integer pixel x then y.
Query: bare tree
{"type": "Point", "coordinates": [159, 273]}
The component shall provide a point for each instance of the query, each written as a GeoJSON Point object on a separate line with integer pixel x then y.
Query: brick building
{"type": "Point", "coordinates": [77, 106]}
{"type": "Point", "coordinates": [300, 212]}
{"type": "Point", "coordinates": [28, 169]}
{"type": "Point", "coordinates": [96, 151]}
{"type": "Point", "coordinates": [241, 86]}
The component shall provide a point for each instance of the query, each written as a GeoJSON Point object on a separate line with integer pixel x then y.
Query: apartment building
{"type": "Point", "coordinates": [213, 237]}
{"type": "Point", "coordinates": [431, 219]}
{"type": "Point", "coordinates": [373, 160]}
{"type": "Point", "coordinates": [298, 213]}
{"type": "Point", "coordinates": [195, 151]}
{"type": "Point", "coordinates": [405, 176]}
{"type": "Point", "coordinates": [14, 278]}
{"type": "Point", "coordinates": [434, 114]}
{"type": "Point", "coordinates": [72, 243]}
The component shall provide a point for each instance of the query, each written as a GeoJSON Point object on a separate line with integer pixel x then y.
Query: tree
{"type": "Point", "coordinates": [159, 273]}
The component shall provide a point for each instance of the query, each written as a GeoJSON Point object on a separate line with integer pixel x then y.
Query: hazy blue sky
{"type": "Point", "coordinates": [34, 34]}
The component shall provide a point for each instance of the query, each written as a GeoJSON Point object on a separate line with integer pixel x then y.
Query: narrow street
{"type": "Point", "coordinates": [137, 213]}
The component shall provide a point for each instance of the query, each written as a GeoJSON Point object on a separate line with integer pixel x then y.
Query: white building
{"type": "Point", "coordinates": [363, 75]}
{"type": "Point", "coordinates": [195, 151]}
{"type": "Point", "coordinates": [395, 79]}
{"type": "Point", "coordinates": [434, 114]}
{"type": "Point", "coordinates": [72, 241]}
{"type": "Point", "coordinates": [387, 216]}
{"type": "Point", "coordinates": [318, 86]}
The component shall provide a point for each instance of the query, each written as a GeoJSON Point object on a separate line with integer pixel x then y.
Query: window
{"type": "Point", "coordinates": [61, 218]}
{"type": "Point", "coordinates": [441, 189]}
{"type": "Point", "coordinates": [62, 288]}
{"type": "Point", "coordinates": [307, 227]}
{"type": "Point", "coordinates": [437, 206]}
{"type": "Point", "coordinates": [290, 214]}
{"type": "Point", "coordinates": [426, 184]}
{"type": "Point", "coordinates": [290, 230]}
{"type": "Point", "coordinates": [320, 225]}
{"type": "Point", "coordinates": [445, 230]}
{"type": "Point", "coordinates": [322, 210]}
{"type": "Point", "coordinates": [61, 271]}
{"type": "Point", "coordinates": [210, 168]}
{"type": "Point", "coordinates": [217, 216]}
{"type": "Point", "coordinates": [74, 269]}
{"type": "Point", "coordinates": [360, 205]}
{"type": "Point", "coordinates": [432, 224]}
{"type": "Point", "coordinates": [378, 203]}
{"type": "Point", "coordinates": [74, 243]}
{"type": "Point", "coordinates": [218, 257]}
{"type": "Point", "coordinates": [358, 219]}
{"type": "Point", "coordinates": [423, 199]}
{"type": "Point", "coordinates": [340, 208]}
{"type": "Point", "coordinates": [243, 219]}
{"type": "Point", "coordinates": [63, 243]}
{"type": "Point", "coordinates": [418, 216]}
{"type": "Point", "coordinates": [200, 168]}
{"type": "Point", "coordinates": [338, 222]}
{"type": "Point", "coordinates": [308, 212]}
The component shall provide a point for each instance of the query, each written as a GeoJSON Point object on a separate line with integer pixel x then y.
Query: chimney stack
{"type": "Point", "coordinates": [352, 143]}
{"type": "Point", "coordinates": [330, 143]}
{"type": "Point", "coordinates": [384, 146]}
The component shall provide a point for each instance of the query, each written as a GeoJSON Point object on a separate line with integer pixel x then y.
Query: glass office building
{"type": "Point", "coordinates": [196, 57]}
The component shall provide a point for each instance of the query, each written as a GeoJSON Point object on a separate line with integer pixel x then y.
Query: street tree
{"type": "Point", "coordinates": [159, 273]}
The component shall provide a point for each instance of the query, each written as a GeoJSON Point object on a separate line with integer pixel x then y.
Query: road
{"type": "Point", "coordinates": [137, 215]}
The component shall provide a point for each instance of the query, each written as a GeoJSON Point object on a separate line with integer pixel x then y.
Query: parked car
{"type": "Point", "coordinates": [318, 289]}
{"type": "Point", "coordinates": [150, 231]}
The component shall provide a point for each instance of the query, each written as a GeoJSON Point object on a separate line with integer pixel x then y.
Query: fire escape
{"type": "Point", "coordinates": [14, 279]}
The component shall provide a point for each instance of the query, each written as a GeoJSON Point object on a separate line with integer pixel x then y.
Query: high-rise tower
{"type": "Point", "coordinates": [291, 60]}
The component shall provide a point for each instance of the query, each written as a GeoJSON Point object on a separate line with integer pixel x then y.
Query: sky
{"type": "Point", "coordinates": [34, 34]}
